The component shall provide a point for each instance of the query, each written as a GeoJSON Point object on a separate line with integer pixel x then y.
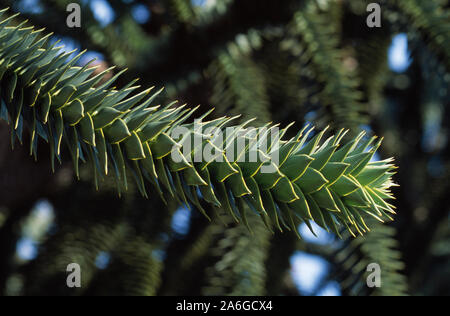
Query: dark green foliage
{"type": "Point", "coordinates": [114, 129]}
{"type": "Point", "coordinates": [431, 20]}
{"type": "Point", "coordinates": [353, 258]}
{"type": "Point", "coordinates": [302, 60]}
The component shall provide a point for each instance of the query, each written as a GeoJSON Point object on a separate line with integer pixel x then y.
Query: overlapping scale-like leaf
{"type": "Point", "coordinates": [120, 132]}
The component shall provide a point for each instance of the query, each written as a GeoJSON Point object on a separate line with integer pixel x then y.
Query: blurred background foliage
{"type": "Point", "coordinates": [310, 61]}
